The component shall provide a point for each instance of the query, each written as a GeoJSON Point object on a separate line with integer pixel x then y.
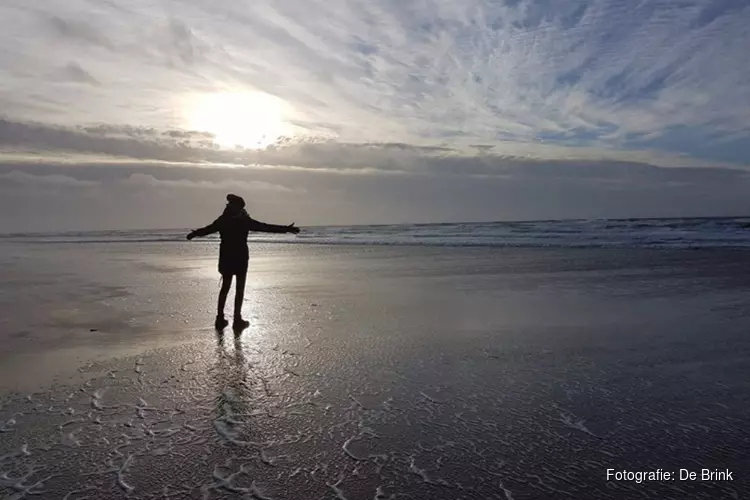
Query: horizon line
{"type": "Point", "coordinates": [497, 221]}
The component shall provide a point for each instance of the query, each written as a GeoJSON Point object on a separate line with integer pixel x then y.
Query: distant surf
{"type": "Point", "coordinates": [708, 232]}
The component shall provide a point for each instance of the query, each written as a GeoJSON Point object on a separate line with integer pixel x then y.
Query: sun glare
{"type": "Point", "coordinates": [251, 120]}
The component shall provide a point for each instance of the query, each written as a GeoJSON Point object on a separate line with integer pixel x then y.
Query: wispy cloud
{"type": "Point", "coordinates": [604, 74]}
{"type": "Point", "coordinates": [224, 186]}
{"type": "Point", "coordinates": [15, 178]}
{"type": "Point", "coordinates": [75, 73]}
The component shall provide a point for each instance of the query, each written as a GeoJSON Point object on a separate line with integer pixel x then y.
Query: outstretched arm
{"type": "Point", "coordinates": [262, 227]}
{"type": "Point", "coordinates": [204, 231]}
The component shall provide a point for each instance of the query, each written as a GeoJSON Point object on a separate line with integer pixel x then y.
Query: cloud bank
{"type": "Point", "coordinates": [73, 196]}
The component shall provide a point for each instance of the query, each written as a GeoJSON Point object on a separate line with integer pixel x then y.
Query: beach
{"type": "Point", "coordinates": [372, 372]}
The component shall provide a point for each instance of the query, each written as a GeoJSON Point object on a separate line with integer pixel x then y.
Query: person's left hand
{"type": "Point", "coordinates": [190, 236]}
{"type": "Point", "coordinates": [291, 228]}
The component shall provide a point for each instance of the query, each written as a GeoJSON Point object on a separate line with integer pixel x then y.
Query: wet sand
{"type": "Point", "coordinates": [372, 373]}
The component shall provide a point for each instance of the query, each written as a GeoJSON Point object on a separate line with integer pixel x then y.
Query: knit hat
{"type": "Point", "coordinates": [233, 199]}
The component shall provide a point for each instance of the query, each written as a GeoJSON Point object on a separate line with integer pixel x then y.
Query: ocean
{"type": "Point", "coordinates": [707, 232]}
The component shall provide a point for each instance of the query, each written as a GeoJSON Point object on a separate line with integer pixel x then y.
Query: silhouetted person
{"type": "Point", "coordinates": [233, 226]}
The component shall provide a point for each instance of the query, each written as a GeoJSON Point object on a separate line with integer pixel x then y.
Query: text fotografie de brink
{"type": "Point", "coordinates": [663, 475]}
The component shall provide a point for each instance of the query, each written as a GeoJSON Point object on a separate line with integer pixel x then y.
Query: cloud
{"type": "Point", "coordinates": [181, 43]}
{"type": "Point", "coordinates": [602, 74]}
{"type": "Point", "coordinates": [79, 31]}
{"type": "Point", "coordinates": [14, 179]}
{"type": "Point", "coordinates": [74, 72]}
{"type": "Point", "coordinates": [47, 196]}
{"type": "Point", "coordinates": [185, 147]}
{"type": "Point", "coordinates": [148, 180]}
{"type": "Point", "coordinates": [18, 178]}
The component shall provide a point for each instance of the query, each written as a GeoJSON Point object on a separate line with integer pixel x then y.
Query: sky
{"type": "Point", "coordinates": [146, 113]}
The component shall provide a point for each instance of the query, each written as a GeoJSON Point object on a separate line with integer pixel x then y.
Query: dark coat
{"type": "Point", "coordinates": [233, 229]}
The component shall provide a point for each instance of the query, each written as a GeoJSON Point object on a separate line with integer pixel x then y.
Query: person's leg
{"type": "Point", "coordinates": [239, 297]}
{"type": "Point", "coordinates": [226, 284]}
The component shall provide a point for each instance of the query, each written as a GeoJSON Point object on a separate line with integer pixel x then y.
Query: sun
{"type": "Point", "coordinates": [251, 120]}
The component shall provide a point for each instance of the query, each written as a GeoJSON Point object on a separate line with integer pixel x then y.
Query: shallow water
{"type": "Point", "coordinates": [374, 373]}
{"type": "Point", "coordinates": [689, 232]}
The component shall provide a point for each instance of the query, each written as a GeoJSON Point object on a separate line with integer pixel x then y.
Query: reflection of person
{"type": "Point", "coordinates": [233, 225]}
{"type": "Point", "coordinates": [233, 389]}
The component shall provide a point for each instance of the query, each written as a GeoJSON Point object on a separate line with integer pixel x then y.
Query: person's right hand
{"type": "Point", "coordinates": [291, 228]}
{"type": "Point", "coordinates": [190, 236]}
